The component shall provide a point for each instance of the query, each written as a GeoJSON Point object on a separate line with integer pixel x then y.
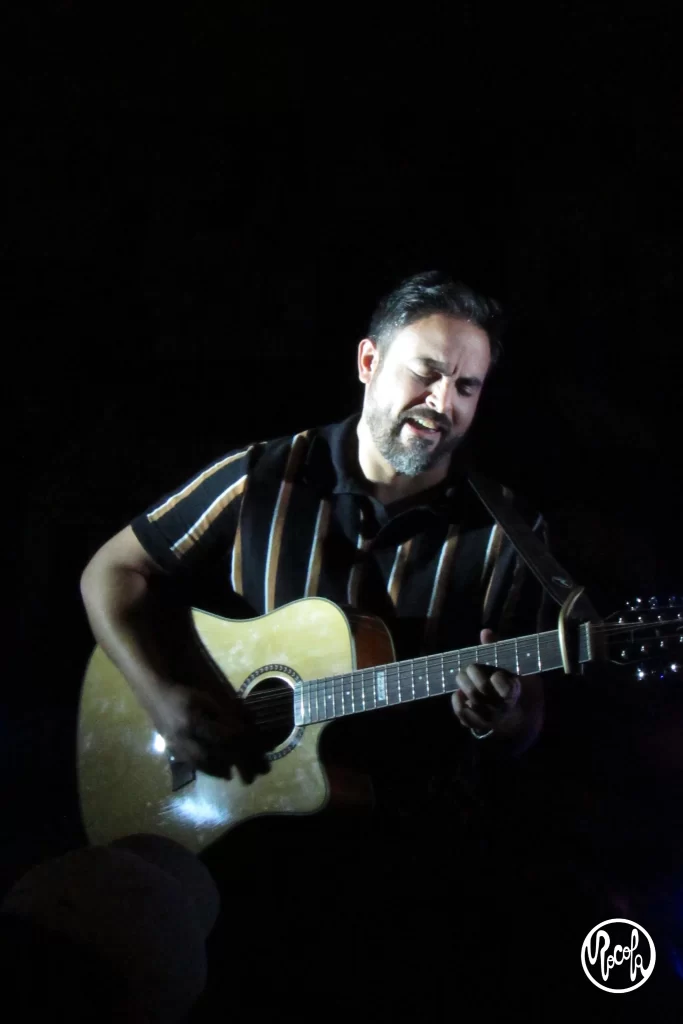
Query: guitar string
{"type": "Point", "coordinates": [276, 709]}
{"type": "Point", "coordinates": [285, 696]}
{"type": "Point", "coordinates": [280, 712]}
{"type": "Point", "coordinates": [546, 643]}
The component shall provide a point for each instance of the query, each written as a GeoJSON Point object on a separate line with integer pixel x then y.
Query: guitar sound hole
{"type": "Point", "coordinates": [271, 705]}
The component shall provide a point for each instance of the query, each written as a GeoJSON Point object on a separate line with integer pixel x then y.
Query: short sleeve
{"type": "Point", "coordinates": [195, 524]}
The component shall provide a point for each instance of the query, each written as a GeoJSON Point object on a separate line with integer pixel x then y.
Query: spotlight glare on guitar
{"type": "Point", "coordinates": [159, 743]}
{"type": "Point", "coordinates": [199, 811]}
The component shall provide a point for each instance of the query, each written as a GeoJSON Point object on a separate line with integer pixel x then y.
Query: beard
{"type": "Point", "coordinates": [407, 453]}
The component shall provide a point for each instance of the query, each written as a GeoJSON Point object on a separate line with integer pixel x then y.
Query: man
{"type": "Point", "coordinates": [375, 513]}
{"type": "Point", "coordinates": [430, 348]}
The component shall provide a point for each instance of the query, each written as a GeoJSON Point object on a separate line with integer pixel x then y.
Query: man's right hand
{"type": "Point", "coordinates": [213, 731]}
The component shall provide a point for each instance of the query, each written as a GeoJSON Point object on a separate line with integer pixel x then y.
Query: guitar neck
{"type": "Point", "coordinates": [322, 700]}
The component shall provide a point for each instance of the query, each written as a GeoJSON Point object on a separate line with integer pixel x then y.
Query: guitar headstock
{"type": "Point", "coordinates": [648, 634]}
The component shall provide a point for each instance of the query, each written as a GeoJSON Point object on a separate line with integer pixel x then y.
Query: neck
{"type": "Point", "coordinates": [382, 479]}
{"type": "Point", "coordinates": [320, 700]}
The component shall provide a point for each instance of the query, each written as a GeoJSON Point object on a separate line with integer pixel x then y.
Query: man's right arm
{"type": "Point", "coordinates": [151, 639]}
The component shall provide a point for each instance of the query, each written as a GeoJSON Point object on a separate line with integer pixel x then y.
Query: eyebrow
{"type": "Point", "coordinates": [436, 364]}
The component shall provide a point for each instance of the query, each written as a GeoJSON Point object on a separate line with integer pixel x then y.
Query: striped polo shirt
{"type": "Point", "coordinates": [279, 520]}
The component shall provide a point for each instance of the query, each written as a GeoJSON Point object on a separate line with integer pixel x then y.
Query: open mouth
{"type": "Point", "coordinates": [421, 430]}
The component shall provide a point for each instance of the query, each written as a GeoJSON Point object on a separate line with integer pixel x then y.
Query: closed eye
{"type": "Point", "coordinates": [464, 388]}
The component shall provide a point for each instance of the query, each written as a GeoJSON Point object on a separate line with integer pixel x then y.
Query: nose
{"type": "Point", "coordinates": [441, 399]}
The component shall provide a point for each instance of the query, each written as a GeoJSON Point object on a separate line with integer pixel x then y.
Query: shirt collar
{"type": "Point", "coordinates": [330, 465]}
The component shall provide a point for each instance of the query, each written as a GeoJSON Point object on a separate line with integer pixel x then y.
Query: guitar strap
{"type": "Point", "coordinates": [547, 570]}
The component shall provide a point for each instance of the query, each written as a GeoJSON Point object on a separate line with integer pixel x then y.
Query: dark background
{"type": "Point", "coordinates": [205, 209]}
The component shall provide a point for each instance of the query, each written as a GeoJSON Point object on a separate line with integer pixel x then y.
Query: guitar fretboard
{"type": "Point", "coordinates": [321, 700]}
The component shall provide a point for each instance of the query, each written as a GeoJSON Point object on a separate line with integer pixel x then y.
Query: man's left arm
{"type": "Point", "coordinates": [508, 710]}
{"type": "Point", "coordinates": [505, 710]}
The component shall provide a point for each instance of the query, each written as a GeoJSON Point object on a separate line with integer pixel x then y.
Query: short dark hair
{"type": "Point", "coordinates": [425, 294]}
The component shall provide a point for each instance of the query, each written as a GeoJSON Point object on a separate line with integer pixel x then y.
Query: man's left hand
{"type": "Point", "coordinates": [486, 696]}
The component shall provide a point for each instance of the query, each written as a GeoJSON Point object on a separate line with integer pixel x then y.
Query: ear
{"type": "Point", "coordinates": [368, 360]}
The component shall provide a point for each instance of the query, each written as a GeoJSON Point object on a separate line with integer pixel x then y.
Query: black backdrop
{"type": "Point", "coordinates": [204, 212]}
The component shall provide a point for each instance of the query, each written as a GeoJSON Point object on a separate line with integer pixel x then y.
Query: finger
{"type": "Point", "coordinates": [474, 719]}
{"type": "Point", "coordinates": [218, 764]}
{"type": "Point", "coordinates": [487, 636]}
{"type": "Point", "coordinates": [459, 702]}
{"type": "Point", "coordinates": [466, 681]}
{"type": "Point", "coordinates": [507, 687]}
{"type": "Point", "coordinates": [464, 707]}
{"type": "Point", "coordinates": [476, 683]}
{"type": "Point", "coordinates": [182, 748]}
{"type": "Point", "coordinates": [251, 766]}
{"type": "Point", "coordinates": [218, 729]}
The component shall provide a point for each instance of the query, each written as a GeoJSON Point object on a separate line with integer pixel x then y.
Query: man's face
{"type": "Point", "coordinates": [434, 370]}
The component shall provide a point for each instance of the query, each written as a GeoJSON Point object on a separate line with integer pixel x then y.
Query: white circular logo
{"type": "Point", "coordinates": [618, 955]}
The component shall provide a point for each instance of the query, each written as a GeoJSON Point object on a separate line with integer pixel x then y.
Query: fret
{"type": "Point", "coordinates": [402, 672]}
{"type": "Point", "coordinates": [527, 666]}
{"type": "Point", "coordinates": [321, 700]}
{"type": "Point", "coordinates": [418, 678]}
{"type": "Point", "coordinates": [357, 691]}
{"type": "Point", "coordinates": [380, 688]}
{"type": "Point", "coordinates": [425, 686]}
{"type": "Point", "coordinates": [438, 676]}
{"type": "Point", "coordinates": [389, 673]}
{"type": "Point", "coordinates": [347, 706]}
{"type": "Point", "coordinates": [396, 689]}
{"type": "Point", "coordinates": [371, 702]}
{"type": "Point", "coordinates": [431, 676]}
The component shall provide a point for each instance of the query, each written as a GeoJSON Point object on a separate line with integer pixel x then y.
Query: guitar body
{"type": "Point", "coordinates": [125, 778]}
{"type": "Point", "coordinates": [307, 654]}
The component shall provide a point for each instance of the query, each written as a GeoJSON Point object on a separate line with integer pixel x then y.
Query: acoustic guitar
{"type": "Point", "coordinates": [299, 668]}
